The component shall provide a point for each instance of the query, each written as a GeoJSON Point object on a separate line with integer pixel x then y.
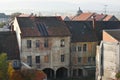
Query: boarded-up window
{"type": "Point", "coordinates": [29, 43]}
{"type": "Point", "coordinates": [75, 60]}
{"type": "Point", "coordinates": [46, 59]}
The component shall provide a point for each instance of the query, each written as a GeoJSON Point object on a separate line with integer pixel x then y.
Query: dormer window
{"type": "Point", "coordinates": [62, 43]}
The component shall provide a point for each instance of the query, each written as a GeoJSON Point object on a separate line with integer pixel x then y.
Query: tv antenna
{"type": "Point", "coordinates": [105, 9]}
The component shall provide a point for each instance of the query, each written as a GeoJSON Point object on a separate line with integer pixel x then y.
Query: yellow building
{"type": "Point", "coordinates": [83, 48]}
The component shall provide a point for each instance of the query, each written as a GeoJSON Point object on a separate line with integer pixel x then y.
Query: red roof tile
{"type": "Point", "coordinates": [107, 18]}
{"type": "Point", "coordinates": [42, 26]}
{"type": "Point", "coordinates": [82, 16]}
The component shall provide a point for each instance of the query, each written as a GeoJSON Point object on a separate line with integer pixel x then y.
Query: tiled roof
{"type": "Point", "coordinates": [110, 18]}
{"type": "Point", "coordinates": [82, 17]}
{"type": "Point", "coordinates": [9, 45]}
{"type": "Point", "coordinates": [42, 26]}
{"type": "Point", "coordinates": [81, 31]}
{"type": "Point", "coordinates": [114, 33]}
{"type": "Point", "coordinates": [98, 17]}
{"type": "Point", "coordinates": [107, 18]}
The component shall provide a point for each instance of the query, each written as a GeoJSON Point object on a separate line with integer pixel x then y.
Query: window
{"type": "Point", "coordinates": [79, 59]}
{"type": "Point", "coordinates": [46, 59]}
{"type": "Point", "coordinates": [62, 43]}
{"type": "Point", "coordinates": [29, 60]}
{"type": "Point", "coordinates": [89, 59]}
{"type": "Point", "coordinates": [37, 59]}
{"type": "Point", "coordinates": [93, 59]}
{"type": "Point", "coordinates": [62, 58]}
{"type": "Point", "coordinates": [37, 43]}
{"type": "Point", "coordinates": [46, 43]}
{"type": "Point", "coordinates": [73, 49]}
{"type": "Point", "coordinates": [84, 47]}
{"type": "Point", "coordinates": [79, 49]}
{"type": "Point", "coordinates": [29, 43]}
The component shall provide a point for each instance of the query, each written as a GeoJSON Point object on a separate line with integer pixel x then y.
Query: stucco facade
{"type": "Point", "coordinates": [83, 58]}
{"type": "Point", "coordinates": [108, 56]}
{"type": "Point", "coordinates": [50, 57]}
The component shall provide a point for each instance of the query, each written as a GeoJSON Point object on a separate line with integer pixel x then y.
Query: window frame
{"type": "Point", "coordinates": [37, 59]}
{"type": "Point", "coordinates": [29, 43]}
{"type": "Point", "coordinates": [84, 47]}
{"type": "Point", "coordinates": [79, 59]}
{"type": "Point", "coordinates": [62, 58]}
{"type": "Point", "coordinates": [62, 42]}
{"type": "Point", "coordinates": [37, 44]}
{"type": "Point", "coordinates": [29, 60]}
{"type": "Point", "coordinates": [79, 48]}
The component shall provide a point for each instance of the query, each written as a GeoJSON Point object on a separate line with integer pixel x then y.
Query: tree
{"type": "Point", "coordinates": [3, 66]}
{"type": "Point", "coordinates": [2, 24]}
{"type": "Point", "coordinates": [117, 75]}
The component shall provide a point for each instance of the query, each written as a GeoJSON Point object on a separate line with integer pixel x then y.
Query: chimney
{"type": "Point", "coordinates": [94, 22]}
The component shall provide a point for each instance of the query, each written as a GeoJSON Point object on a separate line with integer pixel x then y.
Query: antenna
{"type": "Point", "coordinates": [105, 9]}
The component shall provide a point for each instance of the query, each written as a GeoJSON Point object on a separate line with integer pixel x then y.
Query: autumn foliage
{"type": "Point", "coordinates": [25, 74]}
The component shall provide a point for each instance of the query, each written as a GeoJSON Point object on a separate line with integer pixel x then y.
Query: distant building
{"type": "Point", "coordinates": [88, 16]}
{"type": "Point", "coordinates": [4, 17]}
{"type": "Point", "coordinates": [108, 55]}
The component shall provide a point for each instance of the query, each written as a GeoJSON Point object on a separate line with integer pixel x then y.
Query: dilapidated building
{"type": "Point", "coordinates": [108, 55]}
{"type": "Point", "coordinates": [83, 48]}
{"type": "Point", "coordinates": [45, 44]}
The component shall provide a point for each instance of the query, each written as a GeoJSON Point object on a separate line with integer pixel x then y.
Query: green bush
{"type": "Point", "coordinates": [117, 75]}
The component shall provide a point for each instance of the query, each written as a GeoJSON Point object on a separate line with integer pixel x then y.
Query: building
{"type": "Point", "coordinates": [108, 55]}
{"type": "Point", "coordinates": [83, 48]}
{"type": "Point", "coordinates": [4, 18]}
{"type": "Point", "coordinates": [88, 16]}
{"type": "Point", "coordinates": [61, 49]}
{"type": "Point", "coordinates": [9, 45]}
{"type": "Point", "coordinates": [44, 43]}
